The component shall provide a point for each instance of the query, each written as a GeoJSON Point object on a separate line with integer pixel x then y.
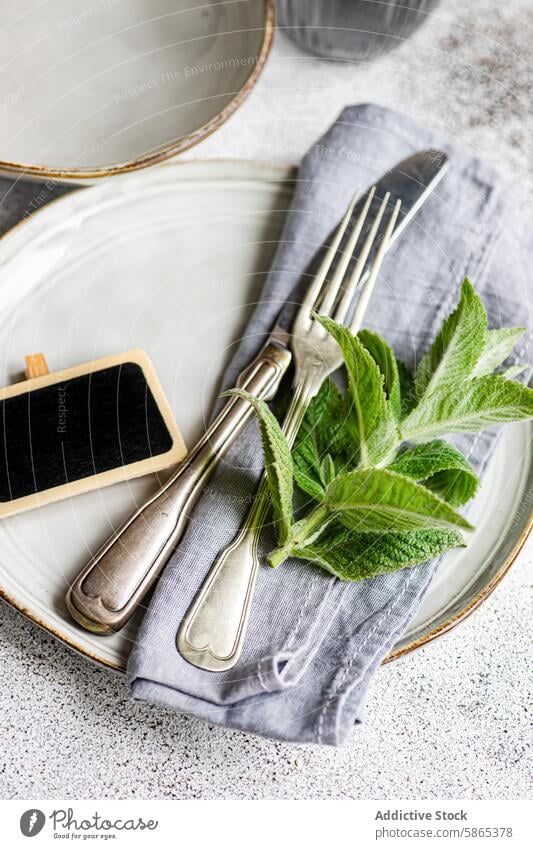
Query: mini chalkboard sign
{"type": "Point", "coordinates": [82, 428]}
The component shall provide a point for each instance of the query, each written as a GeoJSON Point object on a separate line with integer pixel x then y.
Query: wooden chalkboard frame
{"type": "Point", "coordinates": [122, 473]}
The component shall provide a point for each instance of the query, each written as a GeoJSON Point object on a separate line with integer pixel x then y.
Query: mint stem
{"type": "Point", "coordinates": [278, 556]}
{"type": "Point", "coordinates": [304, 532]}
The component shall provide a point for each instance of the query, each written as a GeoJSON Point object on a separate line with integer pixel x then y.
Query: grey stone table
{"type": "Point", "coordinates": [448, 721]}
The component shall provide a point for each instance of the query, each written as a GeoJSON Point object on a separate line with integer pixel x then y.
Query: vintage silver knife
{"type": "Point", "coordinates": [107, 592]}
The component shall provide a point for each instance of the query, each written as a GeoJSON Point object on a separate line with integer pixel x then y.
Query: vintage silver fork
{"type": "Point", "coordinates": [212, 633]}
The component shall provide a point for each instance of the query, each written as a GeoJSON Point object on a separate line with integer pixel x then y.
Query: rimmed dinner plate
{"type": "Point", "coordinates": [89, 89]}
{"type": "Point", "coordinates": [172, 262]}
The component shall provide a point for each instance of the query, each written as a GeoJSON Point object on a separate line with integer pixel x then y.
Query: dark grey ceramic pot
{"type": "Point", "coordinates": [352, 29]}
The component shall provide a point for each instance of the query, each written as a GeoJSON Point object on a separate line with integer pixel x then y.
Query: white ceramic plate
{"type": "Point", "coordinates": [95, 88]}
{"type": "Point", "coordinates": [172, 262]}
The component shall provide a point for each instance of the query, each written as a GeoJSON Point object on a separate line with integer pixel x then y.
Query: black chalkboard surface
{"type": "Point", "coordinates": [83, 428]}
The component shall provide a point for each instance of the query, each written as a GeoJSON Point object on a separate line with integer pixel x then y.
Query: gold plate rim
{"type": "Point", "coordinates": [170, 150]}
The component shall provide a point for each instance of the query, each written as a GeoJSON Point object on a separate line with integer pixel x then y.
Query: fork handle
{"type": "Point", "coordinates": [212, 633]}
{"type": "Point", "coordinates": [109, 589]}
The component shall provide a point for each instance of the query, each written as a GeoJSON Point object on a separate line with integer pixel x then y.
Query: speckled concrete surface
{"type": "Point", "coordinates": [449, 721]}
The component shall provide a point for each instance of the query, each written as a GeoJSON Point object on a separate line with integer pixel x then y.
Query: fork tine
{"type": "Point", "coordinates": [332, 289]}
{"type": "Point", "coordinates": [318, 282]}
{"type": "Point", "coordinates": [376, 265]}
{"type": "Point", "coordinates": [357, 273]}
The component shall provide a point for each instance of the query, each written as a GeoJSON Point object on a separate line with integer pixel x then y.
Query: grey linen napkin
{"type": "Point", "coordinates": [313, 642]}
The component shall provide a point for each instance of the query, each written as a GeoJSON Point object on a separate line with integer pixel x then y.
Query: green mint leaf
{"type": "Point", "coordinates": [455, 486]}
{"type": "Point", "coordinates": [441, 467]}
{"type": "Point", "coordinates": [457, 348]}
{"type": "Point", "coordinates": [475, 405]}
{"type": "Point", "coordinates": [407, 388]}
{"type": "Point", "coordinates": [498, 345]}
{"type": "Point", "coordinates": [375, 424]}
{"type": "Point", "coordinates": [278, 463]}
{"type": "Point", "coordinates": [307, 470]}
{"type": "Point", "coordinates": [379, 500]}
{"type": "Point", "coordinates": [352, 556]}
{"type": "Point", "coordinates": [326, 429]}
{"type": "Point", "coordinates": [383, 356]}
{"type": "Point", "coordinates": [327, 469]}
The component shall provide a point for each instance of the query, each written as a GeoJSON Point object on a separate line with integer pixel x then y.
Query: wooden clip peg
{"type": "Point", "coordinates": [36, 366]}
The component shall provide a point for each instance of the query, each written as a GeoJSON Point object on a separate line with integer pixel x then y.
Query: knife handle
{"type": "Point", "coordinates": [107, 592]}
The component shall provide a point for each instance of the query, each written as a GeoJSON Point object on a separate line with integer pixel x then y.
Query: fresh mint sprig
{"type": "Point", "coordinates": [383, 486]}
